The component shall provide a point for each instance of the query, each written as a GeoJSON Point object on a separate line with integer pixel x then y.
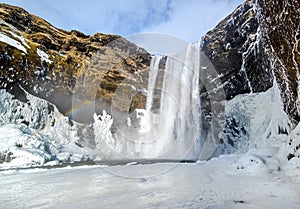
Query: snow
{"type": "Point", "coordinates": [13, 111]}
{"type": "Point", "coordinates": [103, 137]}
{"type": "Point", "coordinates": [21, 38]}
{"type": "Point", "coordinates": [262, 117]}
{"type": "Point", "coordinates": [44, 57]}
{"type": "Point", "coordinates": [52, 163]}
{"type": "Point", "coordinates": [215, 184]}
{"type": "Point", "coordinates": [20, 147]}
{"type": "Point", "coordinates": [45, 137]}
{"type": "Point", "coordinates": [12, 42]}
{"type": "Point", "coordinates": [251, 165]}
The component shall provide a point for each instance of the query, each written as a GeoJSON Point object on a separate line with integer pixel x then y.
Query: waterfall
{"type": "Point", "coordinates": [154, 68]}
{"type": "Point", "coordinates": [169, 127]}
{"type": "Point", "coordinates": [173, 130]}
{"type": "Point", "coordinates": [180, 104]}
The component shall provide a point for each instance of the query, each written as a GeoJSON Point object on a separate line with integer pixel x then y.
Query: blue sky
{"type": "Point", "coordinates": [186, 19]}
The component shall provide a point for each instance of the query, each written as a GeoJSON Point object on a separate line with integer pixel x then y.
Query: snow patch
{"type": "Point", "coordinates": [21, 38]}
{"type": "Point", "coordinates": [251, 164]}
{"type": "Point", "coordinates": [12, 42]}
{"type": "Point", "coordinates": [34, 113]}
{"type": "Point", "coordinates": [44, 57]}
{"type": "Point", "coordinates": [21, 147]}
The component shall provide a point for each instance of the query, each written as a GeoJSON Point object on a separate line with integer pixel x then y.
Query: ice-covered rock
{"type": "Point", "coordinates": [33, 133]}
{"type": "Point", "coordinates": [20, 146]}
{"type": "Point", "coordinates": [251, 164]}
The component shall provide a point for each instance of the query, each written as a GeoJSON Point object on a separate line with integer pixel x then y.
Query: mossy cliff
{"type": "Point", "coordinates": [50, 62]}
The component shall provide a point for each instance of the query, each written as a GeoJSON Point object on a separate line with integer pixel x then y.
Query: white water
{"type": "Point", "coordinates": [171, 131]}
{"type": "Point", "coordinates": [154, 68]}
{"type": "Point", "coordinates": [179, 110]}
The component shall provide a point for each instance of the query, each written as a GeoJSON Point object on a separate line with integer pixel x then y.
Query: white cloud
{"type": "Point", "coordinates": [188, 19]}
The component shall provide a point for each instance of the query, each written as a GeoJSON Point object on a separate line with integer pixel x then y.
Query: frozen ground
{"type": "Point", "coordinates": [228, 182]}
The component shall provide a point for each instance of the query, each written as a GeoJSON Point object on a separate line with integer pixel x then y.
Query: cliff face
{"type": "Point", "coordinates": [236, 52]}
{"type": "Point", "coordinates": [281, 34]}
{"type": "Point", "coordinates": [48, 62]}
{"type": "Point", "coordinates": [259, 40]}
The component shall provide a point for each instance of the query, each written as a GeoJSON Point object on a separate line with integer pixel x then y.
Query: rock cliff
{"type": "Point", "coordinates": [48, 62]}
{"type": "Point", "coordinates": [280, 32]}
{"type": "Point", "coordinates": [258, 41]}
{"type": "Point", "coordinates": [253, 50]}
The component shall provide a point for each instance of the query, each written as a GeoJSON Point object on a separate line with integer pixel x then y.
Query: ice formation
{"type": "Point", "coordinates": [34, 134]}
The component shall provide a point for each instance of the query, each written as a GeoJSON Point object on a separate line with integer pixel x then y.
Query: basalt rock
{"type": "Point", "coordinates": [251, 50]}
{"type": "Point", "coordinates": [281, 35]}
{"type": "Point", "coordinates": [258, 41]}
{"type": "Point", "coordinates": [235, 49]}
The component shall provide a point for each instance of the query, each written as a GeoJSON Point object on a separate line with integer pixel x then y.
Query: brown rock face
{"type": "Point", "coordinates": [56, 64]}
{"type": "Point", "coordinates": [281, 36]}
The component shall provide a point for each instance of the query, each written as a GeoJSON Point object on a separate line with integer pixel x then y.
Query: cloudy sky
{"type": "Point", "coordinates": [186, 19]}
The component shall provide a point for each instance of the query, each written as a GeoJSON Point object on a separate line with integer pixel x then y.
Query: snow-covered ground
{"type": "Point", "coordinates": [227, 182]}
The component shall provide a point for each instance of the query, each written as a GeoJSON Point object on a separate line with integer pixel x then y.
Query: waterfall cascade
{"type": "Point", "coordinates": [170, 130]}
{"type": "Point", "coordinates": [180, 105]}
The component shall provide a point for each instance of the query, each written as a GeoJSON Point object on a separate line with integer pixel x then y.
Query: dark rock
{"type": "Point", "coordinates": [280, 32]}
{"type": "Point", "coordinates": [258, 41]}
{"type": "Point", "coordinates": [237, 54]}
